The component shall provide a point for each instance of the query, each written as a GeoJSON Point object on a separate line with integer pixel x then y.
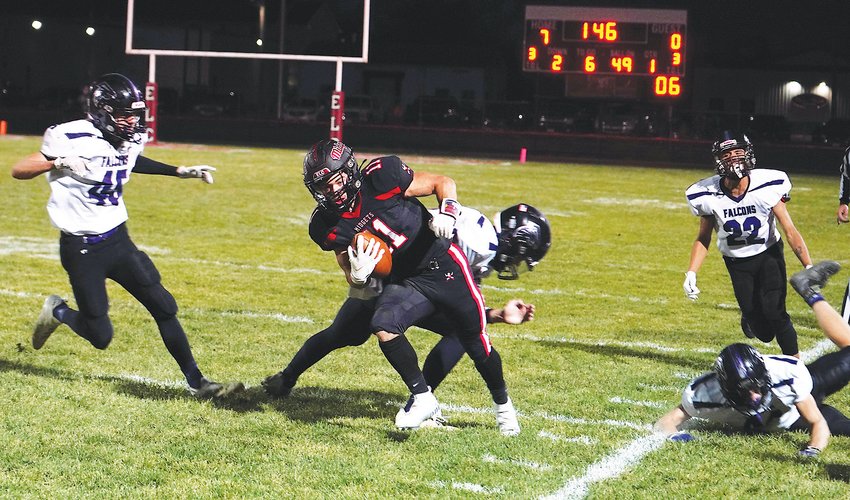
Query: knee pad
{"type": "Point", "coordinates": [159, 302]}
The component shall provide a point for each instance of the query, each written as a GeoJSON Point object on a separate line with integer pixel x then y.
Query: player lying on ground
{"type": "Point", "coordinates": [755, 393]}
{"type": "Point", "coordinates": [88, 162]}
{"type": "Point", "coordinates": [521, 235]}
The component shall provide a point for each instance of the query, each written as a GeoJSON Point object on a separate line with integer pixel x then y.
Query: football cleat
{"type": "Point", "coordinates": [278, 385]}
{"type": "Point", "coordinates": [506, 418]}
{"type": "Point", "coordinates": [747, 329]}
{"type": "Point", "coordinates": [808, 282]}
{"type": "Point", "coordinates": [46, 323]}
{"type": "Point", "coordinates": [209, 389]}
{"type": "Point", "coordinates": [419, 408]}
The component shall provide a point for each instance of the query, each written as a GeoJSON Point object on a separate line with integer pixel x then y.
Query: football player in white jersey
{"type": "Point", "coordinates": [521, 235]}
{"type": "Point", "coordinates": [743, 204]}
{"type": "Point", "coordinates": [751, 392]}
{"type": "Point", "coordinates": [88, 162]}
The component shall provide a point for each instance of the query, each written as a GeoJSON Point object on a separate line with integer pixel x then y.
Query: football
{"type": "Point", "coordinates": [385, 265]}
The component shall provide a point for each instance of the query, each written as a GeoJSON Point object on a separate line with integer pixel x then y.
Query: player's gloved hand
{"type": "Point", "coordinates": [364, 259]}
{"type": "Point", "coordinates": [690, 285]}
{"type": "Point", "coordinates": [73, 164]}
{"type": "Point", "coordinates": [203, 172]}
{"type": "Point", "coordinates": [516, 311]}
{"type": "Point", "coordinates": [443, 224]}
{"type": "Point", "coordinates": [809, 452]}
{"type": "Point", "coordinates": [681, 437]}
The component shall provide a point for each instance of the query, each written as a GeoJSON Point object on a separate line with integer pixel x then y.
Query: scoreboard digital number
{"type": "Point", "coordinates": [608, 42]}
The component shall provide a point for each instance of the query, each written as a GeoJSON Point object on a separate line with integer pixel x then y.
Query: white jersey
{"type": "Point", "coordinates": [474, 235]}
{"type": "Point", "coordinates": [77, 207]}
{"type": "Point", "coordinates": [745, 226]}
{"type": "Point", "coordinates": [477, 238]}
{"type": "Point", "coordinates": [791, 383]}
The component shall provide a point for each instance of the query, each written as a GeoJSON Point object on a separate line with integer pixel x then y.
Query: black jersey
{"type": "Point", "coordinates": [382, 209]}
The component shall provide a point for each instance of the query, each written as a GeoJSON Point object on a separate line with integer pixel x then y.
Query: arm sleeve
{"type": "Point", "coordinates": [844, 183]}
{"type": "Point", "coordinates": [147, 166]}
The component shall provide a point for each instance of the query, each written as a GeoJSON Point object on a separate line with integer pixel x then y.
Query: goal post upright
{"type": "Point", "coordinates": [337, 99]}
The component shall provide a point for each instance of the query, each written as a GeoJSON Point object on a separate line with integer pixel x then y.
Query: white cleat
{"type": "Point", "coordinates": [46, 324]}
{"type": "Point", "coordinates": [419, 408]}
{"type": "Point", "coordinates": [438, 421]}
{"type": "Point", "coordinates": [506, 418]}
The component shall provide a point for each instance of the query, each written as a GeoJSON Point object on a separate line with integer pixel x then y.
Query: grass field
{"type": "Point", "coordinates": [613, 343]}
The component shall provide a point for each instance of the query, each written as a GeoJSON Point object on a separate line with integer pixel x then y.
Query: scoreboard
{"type": "Point", "coordinates": [648, 44]}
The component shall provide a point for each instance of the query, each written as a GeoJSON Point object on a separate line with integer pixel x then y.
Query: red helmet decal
{"type": "Point", "coordinates": [336, 152]}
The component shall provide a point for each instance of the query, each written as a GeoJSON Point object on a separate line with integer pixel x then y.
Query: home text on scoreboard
{"type": "Point", "coordinates": [608, 42]}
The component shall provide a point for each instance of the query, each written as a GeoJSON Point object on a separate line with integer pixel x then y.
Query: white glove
{"type": "Point", "coordinates": [73, 164]}
{"type": "Point", "coordinates": [364, 259]}
{"type": "Point", "coordinates": [690, 285]}
{"type": "Point", "coordinates": [443, 223]}
{"type": "Point", "coordinates": [203, 172]}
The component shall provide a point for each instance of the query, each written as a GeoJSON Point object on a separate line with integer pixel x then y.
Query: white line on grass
{"type": "Point", "coordinates": [475, 488]}
{"type": "Point", "coordinates": [610, 467]}
{"type": "Point", "coordinates": [650, 404]}
{"type": "Point", "coordinates": [587, 440]}
{"type": "Point", "coordinates": [645, 345]}
{"type": "Point", "coordinates": [522, 463]}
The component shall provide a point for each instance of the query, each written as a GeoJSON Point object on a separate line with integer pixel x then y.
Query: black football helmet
{"type": "Point", "coordinates": [324, 160]}
{"type": "Point", "coordinates": [111, 98]}
{"type": "Point", "coordinates": [735, 168]}
{"type": "Point", "coordinates": [524, 236]}
{"type": "Point", "coordinates": [740, 369]}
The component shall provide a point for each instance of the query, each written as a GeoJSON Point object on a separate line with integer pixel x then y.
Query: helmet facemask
{"type": "Point", "coordinates": [524, 236]}
{"type": "Point", "coordinates": [733, 166]}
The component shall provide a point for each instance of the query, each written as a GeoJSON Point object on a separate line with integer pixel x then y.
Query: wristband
{"type": "Point", "coordinates": [450, 207]}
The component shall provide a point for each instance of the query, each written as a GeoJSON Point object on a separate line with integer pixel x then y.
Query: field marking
{"type": "Point", "coordinates": [610, 466]}
{"type": "Point", "coordinates": [631, 202]}
{"type": "Point", "coordinates": [43, 248]}
{"type": "Point", "coordinates": [648, 404]}
{"type": "Point", "coordinates": [474, 488]}
{"type": "Point", "coordinates": [488, 458]}
{"type": "Point", "coordinates": [586, 440]}
{"type": "Point", "coordinates": [618, 343]}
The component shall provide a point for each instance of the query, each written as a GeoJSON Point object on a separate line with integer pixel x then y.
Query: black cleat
{"type": "Point", "coordinates": [808, 282]}
{"type": "Point", "coordinates": [278, 385]}
{"type": "Point", "coordinates": [210, 390]}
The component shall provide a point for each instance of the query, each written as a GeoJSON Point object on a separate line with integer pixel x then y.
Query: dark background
{"type": "Point", "coordinates": [42, 71]}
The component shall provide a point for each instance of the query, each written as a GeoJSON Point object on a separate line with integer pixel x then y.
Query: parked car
{"type": "Point", "coordinates": [360, 108]}
{"type": "Point", "coordinates": [832, 133]}
{"type": "Point", "coordinates": [564, 116]}
{"type": "Point", "coordinates": [303, 110]}
{"type": "Point", "coordinates": [627, 119]}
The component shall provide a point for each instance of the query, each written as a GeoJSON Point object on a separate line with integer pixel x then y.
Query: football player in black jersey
{"type": "Point", "coordinates": [430, 274]}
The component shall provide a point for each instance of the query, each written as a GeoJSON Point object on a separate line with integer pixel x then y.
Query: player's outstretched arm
{"type": "Point", "coordinates": [145, 165]}
{"type": "Point", "coordinates": [669, 425]}
{"type": "Point", "coordinates": [32, 166]}
{"type": "Point", "coordinates": [699, 250]}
